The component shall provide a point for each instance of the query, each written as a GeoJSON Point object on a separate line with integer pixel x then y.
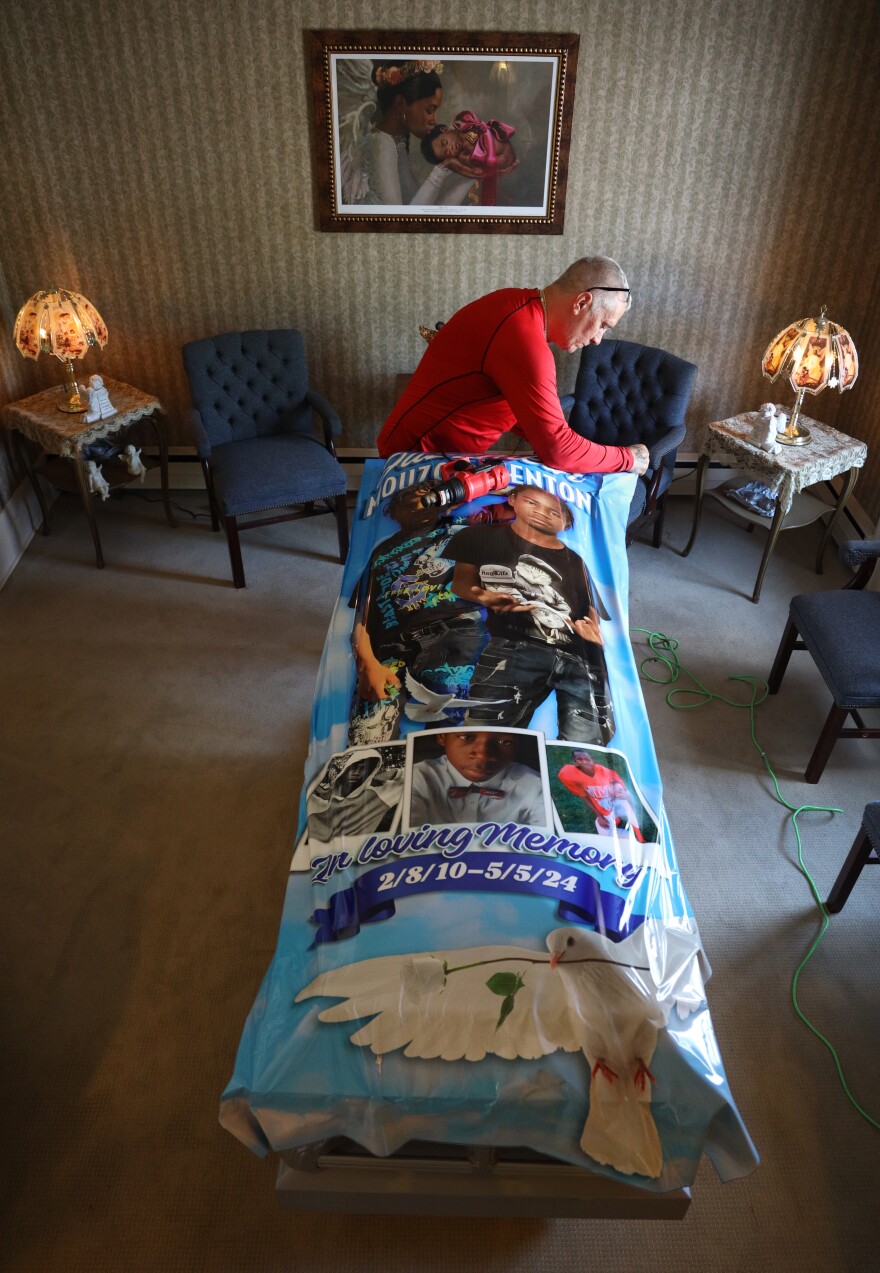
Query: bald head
{"type": "Point", "coordinates": [585, 302]}
{"type": "Point", "coordinates": [591, 274]}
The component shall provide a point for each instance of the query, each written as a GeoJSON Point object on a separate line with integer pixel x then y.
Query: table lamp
{"type": "Point", "coordinates": [813, 354]}
{"type": "Point", "coordinates": [55, 321]}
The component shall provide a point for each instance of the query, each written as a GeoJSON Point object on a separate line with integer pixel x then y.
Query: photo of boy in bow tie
{"type": "Point", "coordinates": [479, 777]}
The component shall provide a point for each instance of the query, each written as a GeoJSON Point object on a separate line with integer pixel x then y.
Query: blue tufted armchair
{"type": "Point", "coordinates": [627, 393]}
{"type": "Point", "coordinates": [252, 419]}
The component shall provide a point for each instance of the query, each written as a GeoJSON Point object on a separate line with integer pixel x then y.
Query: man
{"type": "Point", "coordinates": [490, 369]}
{"type": "Point", "coordinates": [542, 621]}
{"type": "Point", "coordinates": [604, 791]}
{"type": "Point", "coordinates": [476, 780]}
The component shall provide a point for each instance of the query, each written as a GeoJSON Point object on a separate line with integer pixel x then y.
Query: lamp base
{"type": "Point", "coordinates": [799, 436]}
{"type": "Point", "coordinates": [74, 402]}
{"type": "Point", "coordinates": [73, 407]}
{"type": "Point", "coordinates": [794, 434]}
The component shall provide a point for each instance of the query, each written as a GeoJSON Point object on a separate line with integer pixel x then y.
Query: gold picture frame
{"type": "Point", "coordinates": [504, 103]}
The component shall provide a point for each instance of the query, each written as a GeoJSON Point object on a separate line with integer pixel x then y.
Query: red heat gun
{"type": "Point", "coordinates": [464, 481]}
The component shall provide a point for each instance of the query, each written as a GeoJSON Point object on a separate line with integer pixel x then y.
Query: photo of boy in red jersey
{"type": "Point", "coordinates": [592, 797]}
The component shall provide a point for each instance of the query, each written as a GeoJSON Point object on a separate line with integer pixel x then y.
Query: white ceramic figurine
{"type": "Point", "coordinates": [133, 461]}
{"type": "Point", "coordinates": [100, 406]}
{"type": "Point", "coordinates": [764, 430]}
{"type": "Point", "coordinates": [98, 483]}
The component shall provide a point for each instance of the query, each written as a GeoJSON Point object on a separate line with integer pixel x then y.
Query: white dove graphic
{"type": "Point", "coordinates": [615, 1014]}
{"type": "Point", "coordinates": [428, 705]}
{"type": "Point", "coordinates": [605, 999]}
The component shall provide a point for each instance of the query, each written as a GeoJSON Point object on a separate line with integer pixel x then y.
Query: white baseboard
{"type": "Point", "coordinates": [685, 474]}
{"type": "Point", "coordinates": [352, 460]}
{"type": "Point", "coordinates": [19, 519]}
{"type": "Point", "coordinates": [185, 474]}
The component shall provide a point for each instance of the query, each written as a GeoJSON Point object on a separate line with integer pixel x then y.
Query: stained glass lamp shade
{"type": "Point", "coordinates": [813, 354]}
{"type": "Point", "coordinates": [56, 321]}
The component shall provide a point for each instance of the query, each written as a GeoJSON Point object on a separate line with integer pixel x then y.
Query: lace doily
{"type": "Point", "coordinates": [795, 467]}
{"type": "Point", "coordinates": [58, 433]}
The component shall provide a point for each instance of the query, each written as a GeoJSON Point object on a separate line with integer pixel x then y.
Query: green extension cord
{"type": "Point", "coordinates": [663, 650]}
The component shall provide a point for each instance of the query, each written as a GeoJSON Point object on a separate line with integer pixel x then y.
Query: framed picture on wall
{"type": "Point", "coordinates": [442, 131]}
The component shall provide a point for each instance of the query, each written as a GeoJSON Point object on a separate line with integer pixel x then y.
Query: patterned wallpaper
{"type": "Point", "coordinates": [859, 413]}
{"type": "Point", "coordinates": [158, 158]}
{"type": "Point", "coordinates": [14, 384]}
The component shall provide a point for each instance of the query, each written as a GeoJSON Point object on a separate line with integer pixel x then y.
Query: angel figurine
{"type": "Point", "coordinates": [98, 484]}
{"type": "Point", "coordinates": [133, 461]}
{"type": "Point", "coordinates": [100, 406]}
{"type": "Point", "coordinates": [764, 430]}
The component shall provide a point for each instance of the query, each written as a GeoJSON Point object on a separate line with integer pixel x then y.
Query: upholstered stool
{"type": "Point", "coordinates": [865, 851]}
{"type": "Point", "coordinates": [841, 630]}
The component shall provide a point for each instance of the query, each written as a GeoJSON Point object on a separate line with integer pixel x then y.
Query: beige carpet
{"type": "Point", "coordinates": [155, 724]}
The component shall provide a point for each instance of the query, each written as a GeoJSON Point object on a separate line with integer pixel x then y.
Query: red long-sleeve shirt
{"type": "Point", "coordinates": [489, 370]}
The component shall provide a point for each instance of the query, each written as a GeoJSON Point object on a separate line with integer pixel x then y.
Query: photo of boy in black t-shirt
{"type": "Point", "coordinates": [409, 619]}
{"type": "Point", "coordinates": [542, 621]}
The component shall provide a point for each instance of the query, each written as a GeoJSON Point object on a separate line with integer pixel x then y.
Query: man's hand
{"type": "Point", "coordinates": [641, 458]}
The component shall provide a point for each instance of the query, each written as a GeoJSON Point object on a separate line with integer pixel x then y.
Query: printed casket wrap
{"type": "Point", "coordinates": [485, 939]}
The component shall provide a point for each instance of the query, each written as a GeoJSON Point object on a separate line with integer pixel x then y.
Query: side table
{"type": "Point", "coordinates": [63, 437]}
{"type": "Point", "coordinates": [828, 454]}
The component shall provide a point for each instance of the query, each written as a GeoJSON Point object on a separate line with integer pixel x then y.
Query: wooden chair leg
{"type": "Point", "coordinates": [849, 872]}
{"type": "Point", "coordinates": [212, 502]}
{"type": "Point", "coordinates": [833, 725]}
{"type": "Point", "coordinates": [783, 654]}
{"type": "Point", "coordinates": [657, 537]}
{"type": "Point", "coordinates": [342, 526]}
{"type": "Point", "coordinates": [234, 552]}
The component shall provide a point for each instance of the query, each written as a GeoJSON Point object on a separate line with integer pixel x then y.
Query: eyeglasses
{"type": "Point", "coordinates": [599, 287]}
